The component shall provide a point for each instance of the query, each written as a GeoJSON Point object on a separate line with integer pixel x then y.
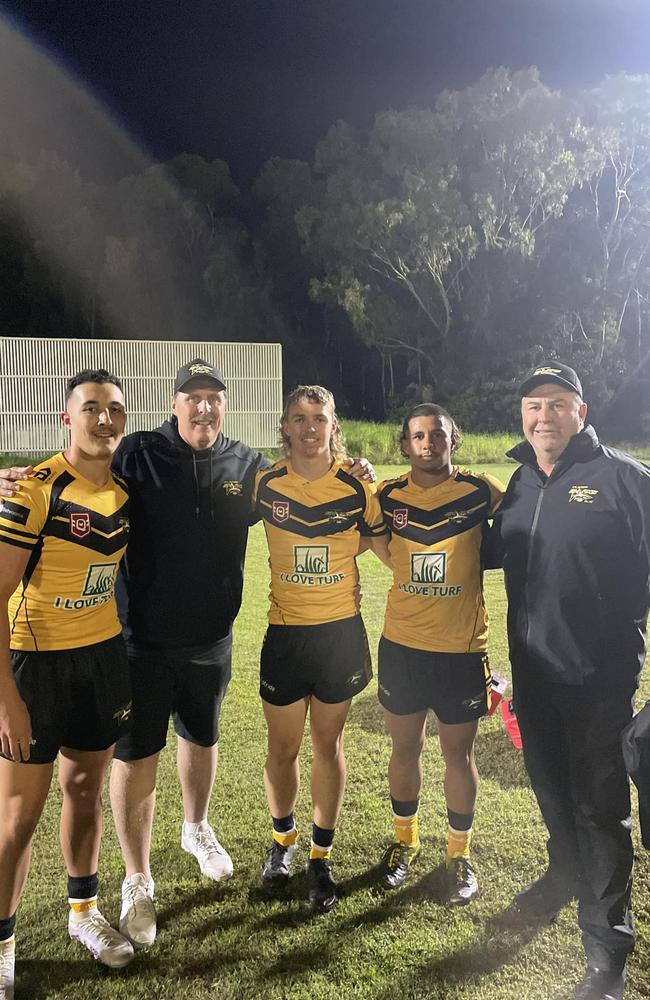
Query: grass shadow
{"type": "Point", "coordinates": [498, 760]}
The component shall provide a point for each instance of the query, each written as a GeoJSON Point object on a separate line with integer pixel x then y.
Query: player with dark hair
{"type": "Point", "coordinates": [315, 655]}
{"type": "Point", "coordinates": [64, 677]}
{"type": "Point", "coordinates": [433, 651]}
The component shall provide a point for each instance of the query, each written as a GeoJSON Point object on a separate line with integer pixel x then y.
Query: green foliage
{"type": "Point", "coordinates": [442, 250]}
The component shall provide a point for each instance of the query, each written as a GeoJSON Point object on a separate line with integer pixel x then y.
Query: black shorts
{"type": "Point", "coordinates": [330, 661]}
{"type": "Point", "coordinates": [457, 686]}
{"type": "Point", "coordinates": [188, 683]}
{"type": "Point", "coordinates": [76, 698]}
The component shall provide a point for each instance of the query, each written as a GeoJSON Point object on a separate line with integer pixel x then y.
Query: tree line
{"type": "Point", "coordinates": [436, 254]}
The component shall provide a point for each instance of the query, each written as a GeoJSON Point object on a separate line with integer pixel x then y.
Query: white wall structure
{"type": "Point", "coordinates": [33, 373]}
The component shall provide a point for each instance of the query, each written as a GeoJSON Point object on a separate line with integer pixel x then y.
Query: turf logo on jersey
{"type": "Point", "coordinates": [311, 565]}
{"type": "Point", "coordinates": [582, 494]}
{"type": "Point", "coordinates": [428, 567]}
{"type": "Point", "coordinates": [98, 589]}
{"type": "Point", "coordinates": [428, 577]}
{"type": "Point", "coordinates": [280, 511]}
{"type": "Point", "coordinates": [233, 488]}
{"type": "Point", "coordinates": [400, 518]}
{"type": "Point", "coordinates": [80, 523]}
{"type": "Point", "coordinates": [311, 558]}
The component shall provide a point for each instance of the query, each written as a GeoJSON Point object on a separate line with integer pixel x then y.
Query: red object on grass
{"type": "Point", "coordinates": [511, 724]}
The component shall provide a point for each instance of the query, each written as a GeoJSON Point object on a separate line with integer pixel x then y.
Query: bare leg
{"type": "Point", "coordinates": [328, 772]}
{"type": "Point", "coordinates": [133, 801]}
{"type": "Point", "coordinates": [197, 769]}
{"type": "Point", "coordinates": [461, 776]}
{"type": "Point", "coordinates": [286, 724]}
{"type": "Point", "coordinates": [23, 792]}
{"type": "Point", "coordinates": [407, 733]}
{"type": "Point", "coordinates": [81, 774]}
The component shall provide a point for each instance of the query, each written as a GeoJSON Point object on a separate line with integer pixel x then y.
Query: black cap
{"type": "Point", "coordinates": [198, 369]}
{"type": "Point", "coordinates": [554, 371]}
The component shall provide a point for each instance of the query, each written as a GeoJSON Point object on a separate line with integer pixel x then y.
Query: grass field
{"type": "Point", "coordinates": [232, 943]}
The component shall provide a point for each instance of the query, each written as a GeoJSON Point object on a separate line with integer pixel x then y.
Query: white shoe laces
{"type": "Point", "coordinates": [134, 892]}
{"type": "Point", "coordinates": [206, 843]}
{"type": "Point", "coordinates": [98, 925]}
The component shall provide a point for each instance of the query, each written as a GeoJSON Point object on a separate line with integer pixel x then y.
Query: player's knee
{"type": "Point", "coordinates": [282, 752]}
{"type": "Point", "coordinates": [407, 752]}
{"type": "Point", "coordinates": [458, 758]}
{"type": "Point", "coordinates": [18, 825]}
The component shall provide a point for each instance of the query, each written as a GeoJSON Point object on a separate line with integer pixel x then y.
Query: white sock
{"type": "Point", "coordinates": [191, 828]}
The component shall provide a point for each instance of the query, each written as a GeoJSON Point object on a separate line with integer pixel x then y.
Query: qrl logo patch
{"type": "Point", "coordinates": [428, 567]}
{"type": "Point", "coordinates": [400, 518]}
{"type": "Point", "coordinates": [80, 524]}
{"type": "Point", "coordinates": [280, 510]}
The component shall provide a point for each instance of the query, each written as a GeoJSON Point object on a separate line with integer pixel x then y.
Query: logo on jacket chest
{"type": "Point", "coordinates": [582, 494]}
{"type": "Point", "coordinates": [233, 488]}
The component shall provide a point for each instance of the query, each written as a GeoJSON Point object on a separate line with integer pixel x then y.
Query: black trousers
{"type": "Point", "coordinates": [572, 751]}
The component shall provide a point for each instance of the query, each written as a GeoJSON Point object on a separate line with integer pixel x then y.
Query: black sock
{"type": "Point", "coordinates": [405, 808]}
{"type": "Point", "coordinates": [83, 886]}
{"type": "Point", "coordinates": [460, 821]}
{"type": "Point", "coordinates": [285, 824]}
{"type": "Point", "coordinates": [7, 928]}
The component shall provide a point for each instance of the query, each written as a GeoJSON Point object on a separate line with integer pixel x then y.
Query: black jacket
{"type": "Point", "coordinates": [576, 556]}
{"type": "Point", "coordinates": [190, 510]}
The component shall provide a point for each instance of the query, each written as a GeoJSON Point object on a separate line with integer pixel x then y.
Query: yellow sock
{"type": "Point", "coordinates": [406, 830]}
{"type": "Point", "coordinates": [286, 839]}
{"type": "Point", "coordinates": [80, 906]}
{"type": "Point", "coordinates": [458, 842]}
{"type": "Point", "coordinates": [318, 853]}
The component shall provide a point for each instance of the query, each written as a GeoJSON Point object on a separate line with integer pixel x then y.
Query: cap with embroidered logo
{"type": "Point", "coordinates": [556, 372]}
{"type": "Point", "coordinates": [198, 369]}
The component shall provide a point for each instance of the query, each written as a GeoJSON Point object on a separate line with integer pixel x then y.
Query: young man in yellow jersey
{"type": "Point", "coordinates": [433, 651]}
{"type": "Point", "coordinates": [64, 677]}
{"type": "Point", "coordinates": [315, 656]}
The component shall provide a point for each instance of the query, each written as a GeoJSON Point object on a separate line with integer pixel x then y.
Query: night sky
{"type": "Point", "coordinates": [247, 79]}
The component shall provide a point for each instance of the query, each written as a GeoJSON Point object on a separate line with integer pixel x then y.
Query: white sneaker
{"type": "Point", "coordinates": [213, 860]}
{"type": "Point", "coordinates": [7, 965]}
{"type": "Point", "coordinates": [101, 940]}
{"type": "Point", "coordinates": [138, 915]}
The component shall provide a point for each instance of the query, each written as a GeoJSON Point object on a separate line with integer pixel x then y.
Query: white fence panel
{"type": "Point", "coordinates": [33, 373]}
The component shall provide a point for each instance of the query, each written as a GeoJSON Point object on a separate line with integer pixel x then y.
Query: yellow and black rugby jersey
{"type": "Point", "coordinates": [76, 534]}
{"type": "Point", "coordinates": [436, 600]}
{"type": "Point", "coordinates": [312, 529]}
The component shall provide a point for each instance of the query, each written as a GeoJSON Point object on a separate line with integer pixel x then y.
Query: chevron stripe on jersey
{"type": "Point", "coordinates": [313, 530]}
{"type": "Point", "coordinates": [436, 600]}
{"type": "Point", "coordinates": [76, 533]}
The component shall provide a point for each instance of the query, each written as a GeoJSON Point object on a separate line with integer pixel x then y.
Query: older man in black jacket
{"type": "Point", "coordinates": [574, 531]}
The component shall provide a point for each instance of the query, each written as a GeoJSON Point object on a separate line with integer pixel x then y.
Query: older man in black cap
{"type": "Point", "coordinates": [574, 530]}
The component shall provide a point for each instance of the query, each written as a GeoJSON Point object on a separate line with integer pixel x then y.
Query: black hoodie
{"type": "Point", "coordinates": [190, 510]}
{"type": "Point", "coordinates": [576, 556]}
